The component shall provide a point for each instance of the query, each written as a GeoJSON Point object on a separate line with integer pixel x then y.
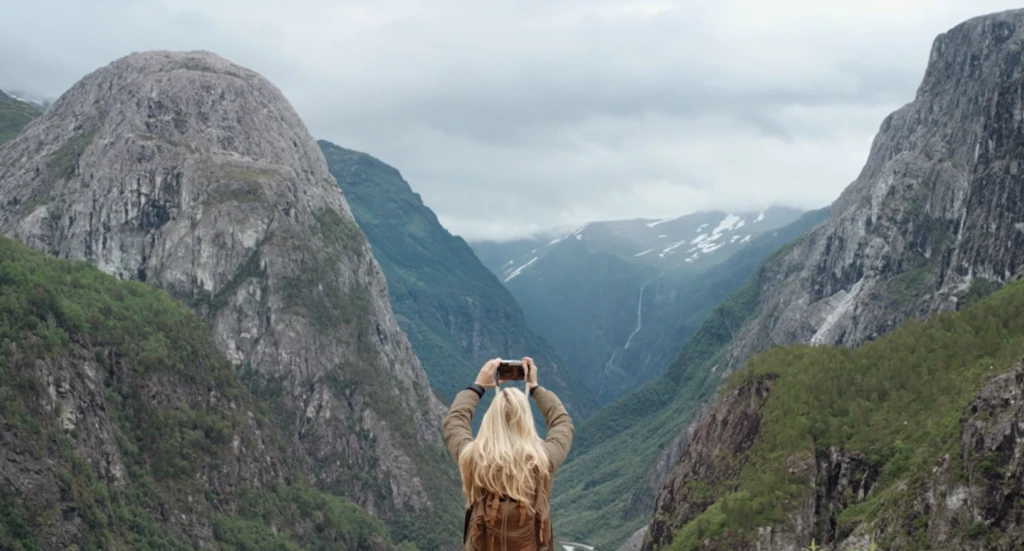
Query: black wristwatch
{"type": "Point", "coordinates": [476, 388]}
{"type": "Point", "coordinates": [535, 387]}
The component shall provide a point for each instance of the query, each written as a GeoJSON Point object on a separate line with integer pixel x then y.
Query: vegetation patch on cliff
{"type": "Point", "coordinates": [64, 161]}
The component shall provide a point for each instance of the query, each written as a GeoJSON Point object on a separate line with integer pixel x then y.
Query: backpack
{"type": "Point", "coordinates": [499, 523]}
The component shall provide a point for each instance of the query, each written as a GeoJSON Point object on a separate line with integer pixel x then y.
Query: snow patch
{"type": "Point", "coordinates": [579, 236]}
{"type": "Point", "coordinates": [760, 216]}
{"type": "Point", "coordinates": [728, 223]}
{"type": "Point", "coordinates": [662, 236]}
{"type": "Point", "coordinates": [671, 248]}
{"type": "Point", "coordinates": [553, 241]}
{"type": "Point", "coordinates": [643, 253]}
{"type": "Point", "coordinates": [706, 243]}
{"type": "Point", "coordinates": [745, 239]}
{"type": "Point", "coordinates": [520, 269]}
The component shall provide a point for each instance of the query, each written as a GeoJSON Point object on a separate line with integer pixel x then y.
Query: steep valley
{"type": "Point", "coordinates": [456, 313]}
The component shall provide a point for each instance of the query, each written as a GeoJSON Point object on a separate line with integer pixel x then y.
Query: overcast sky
{"type": "Point", "coordinates": [545, 112]}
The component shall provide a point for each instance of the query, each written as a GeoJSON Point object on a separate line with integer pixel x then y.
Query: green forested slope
{"type": "Point", "coordinates": [454, 310]}
{"type": "Point", "coordinates": [14, 115]}
{"type": "Point", "coordinates": [124, 428]}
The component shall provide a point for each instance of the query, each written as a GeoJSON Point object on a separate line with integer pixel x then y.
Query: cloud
{"type": "Point", "coordinates": [549, 113]}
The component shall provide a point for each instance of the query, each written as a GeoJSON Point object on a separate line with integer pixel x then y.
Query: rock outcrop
{"type": "Point", "coordinates": [933, 222]}
{"type": "Point", "coordinates": [195, 175]}
{"type": "Point", "coordinates": [726, 433]}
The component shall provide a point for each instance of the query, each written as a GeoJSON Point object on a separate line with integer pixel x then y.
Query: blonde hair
{"type": "Point", "coordinates": [507, 457]}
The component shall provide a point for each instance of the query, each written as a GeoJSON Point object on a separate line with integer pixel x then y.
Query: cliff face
{"type": "Point", "coordinates": [195, 175]}
{"type": "Point", "coordinates": [123, 427]}
{"type": "Point", "coordinates": [727, 432]}
{"type": "Point", "coordinates": [935, 211]}
{"type": "Point", "coordinates": [933, 222]}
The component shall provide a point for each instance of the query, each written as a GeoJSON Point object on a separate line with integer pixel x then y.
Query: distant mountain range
{"type": "Point", "coordinates": [688, 242]}
{"type": "Point", "coordinates": [616, 298]}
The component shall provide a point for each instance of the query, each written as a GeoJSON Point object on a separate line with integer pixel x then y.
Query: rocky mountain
{"type": "Point", "coordinates": [196, 176]}
{"type": "Point", "coordinates": [15, 114]}
{"type": "Point", "coordinates": [609, 295]}
{"type": "Point", "coordinates": [455, 312]}
{"type": "Point", "coordinates": [932, 223]}
{"type": "Point", "coordinates": [123, 427]}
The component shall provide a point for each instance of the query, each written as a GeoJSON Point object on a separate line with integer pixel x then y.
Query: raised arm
{"type": "Point", "coordinates": [457, 426]}
{"type": "Point", "coordinates": [560, 426]}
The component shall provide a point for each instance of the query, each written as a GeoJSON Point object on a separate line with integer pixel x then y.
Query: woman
{"type": "Point", "coordinates": [507, 470]}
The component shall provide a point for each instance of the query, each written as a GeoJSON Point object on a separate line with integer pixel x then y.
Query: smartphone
{"type": "Point", "coordinates": [511, 370]}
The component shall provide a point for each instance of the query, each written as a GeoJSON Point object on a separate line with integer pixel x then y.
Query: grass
{"type": "Point", "coordinates": [63, 162]}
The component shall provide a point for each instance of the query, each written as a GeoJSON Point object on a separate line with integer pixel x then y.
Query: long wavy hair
{"type": "Point", "coordinates": [507, 457]}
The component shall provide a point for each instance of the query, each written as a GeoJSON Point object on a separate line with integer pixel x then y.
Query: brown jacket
{"type": "Point", "coordinates": [458, 430]}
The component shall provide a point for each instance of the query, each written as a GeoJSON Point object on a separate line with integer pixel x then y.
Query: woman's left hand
{"type": "Point", "coordinates": [486, 377]}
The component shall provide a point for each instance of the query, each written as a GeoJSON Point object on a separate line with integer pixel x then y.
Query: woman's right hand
{"type": "Point", "coordinates": [531, 373]}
